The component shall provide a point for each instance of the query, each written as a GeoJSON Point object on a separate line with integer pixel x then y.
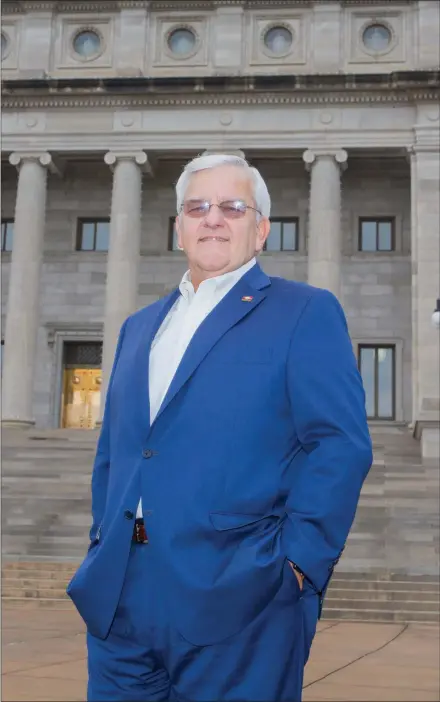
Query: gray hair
{"type": "Point", "coordinates": [260, 191]}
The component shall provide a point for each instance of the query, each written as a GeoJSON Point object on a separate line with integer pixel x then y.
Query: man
{"type": "Point", "coordinates": [232, 453]}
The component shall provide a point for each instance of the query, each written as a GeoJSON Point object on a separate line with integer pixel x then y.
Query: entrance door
{"type": "Point", "coordinates": [81, 385]}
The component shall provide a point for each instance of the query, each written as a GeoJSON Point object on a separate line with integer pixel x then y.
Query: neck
{"type": "Point", "coordinates": [198, 276]}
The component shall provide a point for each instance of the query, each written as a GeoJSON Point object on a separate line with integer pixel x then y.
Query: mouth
{"type": "Point", "coordinates": [221, 239]}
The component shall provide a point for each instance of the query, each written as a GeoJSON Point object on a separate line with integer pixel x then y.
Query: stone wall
{"type": "Point", "coordinates": [376, 288]}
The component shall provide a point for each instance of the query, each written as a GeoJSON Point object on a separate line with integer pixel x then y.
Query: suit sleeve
{"type": "Point", "coordinates": [102, 457]}
{"type": "Point", "coordinates": [328, 407]}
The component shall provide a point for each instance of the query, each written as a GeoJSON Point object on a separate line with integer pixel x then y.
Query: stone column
{"type": "Point", "coordinates": [22, 313]}
{"type": "Point", "coordinates": [325, 241]}
{"type": "Point", "coordinates": [124, 251]}
{"type": "Point", "coordinates": [425, 255]}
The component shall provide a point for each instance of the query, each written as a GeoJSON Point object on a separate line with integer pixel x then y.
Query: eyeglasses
{"type": "Point", "coordinates": [231, 209]}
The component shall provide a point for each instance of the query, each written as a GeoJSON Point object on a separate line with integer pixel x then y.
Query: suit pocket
{"type": "Point", "coordinates": [223, 521]}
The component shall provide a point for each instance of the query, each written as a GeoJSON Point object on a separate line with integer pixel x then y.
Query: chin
{"type": "Point", "coordinates": [213, 263]}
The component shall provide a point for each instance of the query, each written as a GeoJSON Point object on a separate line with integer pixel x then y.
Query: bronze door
{"type": "Point", "coordinates": [81, 397]}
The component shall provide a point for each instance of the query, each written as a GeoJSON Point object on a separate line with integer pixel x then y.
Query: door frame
{"type": "Point", "coordinates": [59, 334]}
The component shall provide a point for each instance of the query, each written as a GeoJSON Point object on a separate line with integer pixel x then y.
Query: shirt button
{"type": "Point", "coordinates": [128, 514]}
{"type": "Point", "coordinates": [147, 453]}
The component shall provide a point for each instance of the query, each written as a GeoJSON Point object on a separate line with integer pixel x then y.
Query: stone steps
{"type": "Point", "coordinates": [45, 565]}
{"type": "Point", "coordinates": [32, 603]}
{"type": "Point", "coordinates": [47, 584]}
{"type": "Point", "coordinates": [375, 615]}
{"type": "Point", "coordinates": [24, 591]}
{"type": "Point", "coordinates": [388, 571]}
{"type": "Point", "coordinates": [409, 605]}
{"type": "Point", "coordinates": [376, 595]}
{"type": "Point", "coordinates": [396, 588]}
{"type": "Point", "coordinates": [385, 597]}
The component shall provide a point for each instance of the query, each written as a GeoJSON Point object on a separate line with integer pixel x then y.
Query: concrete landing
{"type": "Point", "coordinates": [44, 658]}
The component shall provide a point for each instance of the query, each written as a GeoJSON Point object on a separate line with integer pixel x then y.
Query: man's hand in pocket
{"type": "Point", "coordinates": [299, 576]}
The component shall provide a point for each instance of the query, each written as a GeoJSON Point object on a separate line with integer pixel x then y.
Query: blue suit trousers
{"type": "Point", "coordinates": [144, 657]}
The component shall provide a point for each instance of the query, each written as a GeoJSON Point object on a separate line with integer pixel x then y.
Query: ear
{"type": "Point", "coordinates": [263, 229]}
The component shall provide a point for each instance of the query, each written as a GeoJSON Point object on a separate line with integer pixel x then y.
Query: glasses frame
{"type": "Point", "coordinates": [219, 205]}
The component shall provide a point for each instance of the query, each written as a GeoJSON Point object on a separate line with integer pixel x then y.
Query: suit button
{"type": "Point", "coordinates": [147, 453]}
{"type": "Point", "coordinates": [128, 514]}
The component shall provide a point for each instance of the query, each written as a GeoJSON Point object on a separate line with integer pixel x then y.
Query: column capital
{"type": "Point", "coordinates": [44, 158]}
{"type": "Point", "coordinates": [140, 158]}
{"type": "Point", "coordinates": [310, 156]}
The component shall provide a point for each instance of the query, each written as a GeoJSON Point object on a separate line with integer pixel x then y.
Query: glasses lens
{"type": "Point", "coordinates": [233, 209]}
{"type": "Point", "coordinates": [196, 208]}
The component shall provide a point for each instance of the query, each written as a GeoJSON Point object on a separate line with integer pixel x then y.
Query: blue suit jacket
{"type": "Point", "coordinates": [258, 454]}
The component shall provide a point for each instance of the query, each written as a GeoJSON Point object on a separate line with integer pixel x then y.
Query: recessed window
{"type": "Point", "coordinates": [93, 234]}
{"type": "Point", "coordinates": [182, 42]}
{"type": "Point", "coordinates": [283, 235]}
{"type": "Point", "coordinates": [2, 346]}
{"type": "Point", "coordinates": [377, 37]}
{"type": "Point", "coordinates": [278, 40]}
{"type": "Point", "coordinates": [7, 234]}
{"type": "Point", "coordinates": [377, 368]}
{"type": "Point", "coordinates": [376, 234]}
{"type": "Point", "coordinates": [5, 45]}
{"type": "Point", "coordinates": [87, 44]}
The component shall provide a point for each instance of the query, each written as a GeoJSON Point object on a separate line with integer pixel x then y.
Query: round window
{"type": "Point", "coordinates": [4, 46]}
{"type": "Point", "coordinates": [278, 40]}
{"type": "Point", "coordinates": [87, 44]}
{"type": "Point", "coordinates": [377, 37]}
{"type": "Point", "coordinates": [182, 41]}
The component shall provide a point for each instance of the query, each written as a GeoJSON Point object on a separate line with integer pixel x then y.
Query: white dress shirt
{"type": "Point", "coordinates": [179, 327]}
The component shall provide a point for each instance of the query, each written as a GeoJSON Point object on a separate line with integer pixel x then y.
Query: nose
{"type": "Point", "coordinates": [214, 218]}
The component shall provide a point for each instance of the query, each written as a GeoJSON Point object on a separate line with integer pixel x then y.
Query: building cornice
{"type": "Point", "coordinates": [396, 88]}
{"type": "Point", "coordinates": [215, 100]}
{"type": "Point", "coordinates": [365, 3]}
{"type": "Point", "coordinates": [69, 6]}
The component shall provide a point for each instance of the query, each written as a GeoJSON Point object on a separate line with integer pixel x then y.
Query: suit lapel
{"type": "Point", "coordinates": [144, 350]}
{"type": "Point", "coordinates": [230, 310]}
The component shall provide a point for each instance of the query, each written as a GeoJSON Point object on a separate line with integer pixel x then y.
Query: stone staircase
{"type": "Point", "coordinates": [46, 493]}
{"type": "Point", "coordinates": [383, 598]}
{"type": "Point", "coordinates": [389, 570]}
{"type": "Point", "coordinates": [36, 583]}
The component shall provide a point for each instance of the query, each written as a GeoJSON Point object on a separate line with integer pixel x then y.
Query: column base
{"type": "Point", "coordinates": [17, 423]}
{"type": "Point", "coordinates": [428, 432]}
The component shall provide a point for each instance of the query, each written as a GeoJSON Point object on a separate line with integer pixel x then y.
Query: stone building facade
{"type": "Point", "coordinates": [103, 103]}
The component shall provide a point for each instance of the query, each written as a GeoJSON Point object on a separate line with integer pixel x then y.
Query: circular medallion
{"type": "Point", "coordinates": [182, 42]}
{"type": "Point", "coordinates": [376, 37]}
{"type": "Point", "coordinates": [278, 40]}
{"type": "Point", "coordinates": [87, 44]}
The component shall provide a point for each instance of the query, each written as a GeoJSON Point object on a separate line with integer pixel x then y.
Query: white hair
{"type": "Point", "coordinates": [260, 191]}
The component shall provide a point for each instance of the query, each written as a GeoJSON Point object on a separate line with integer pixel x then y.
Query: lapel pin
{"type": "Point", "coordinates": [247, 298]}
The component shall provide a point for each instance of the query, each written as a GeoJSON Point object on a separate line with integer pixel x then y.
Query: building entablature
{"type": "Point", "coordinates": [199, 38]}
